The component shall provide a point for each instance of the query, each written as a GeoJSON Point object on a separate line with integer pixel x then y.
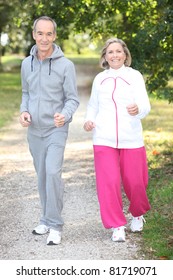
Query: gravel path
{"type": "Point", "coordinates": [84, 237]}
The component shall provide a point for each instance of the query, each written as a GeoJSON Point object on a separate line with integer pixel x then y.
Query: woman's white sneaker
{"type": "Point", "coordinates": [54, 237]}
{"type": "Point", "coordinates": [41, 229]}
{"type": "Point", "coordinates": [118, 234]}
{"type": "Point", "coordinates": [137, 224]}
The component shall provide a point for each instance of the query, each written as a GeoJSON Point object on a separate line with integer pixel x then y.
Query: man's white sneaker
{"type": "Point", "coordinates": [137, 224]}
{"type": "Point", "coordinates": [54, 237]}
{"type": "Point", "coordinates": [41, 229]}
{"type": "Point", "coordinates": [118, 234]}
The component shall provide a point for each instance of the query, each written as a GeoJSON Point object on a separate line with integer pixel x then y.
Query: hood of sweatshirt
{"type": "Point", "coordinates": [57, 53]}
{"type": "Point", "coordinates": [48, 87]}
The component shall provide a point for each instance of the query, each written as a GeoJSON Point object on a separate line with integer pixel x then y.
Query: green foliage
{"type": "Point", "coordinates": [145, 25]}
{"type": "Point", "coordinates": [5, 13]}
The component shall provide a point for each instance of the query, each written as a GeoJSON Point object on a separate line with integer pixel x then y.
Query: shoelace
{"type": "Point", "coordinates": [140, 217]}
{"type": "Point", "coordinates": [121, 227]}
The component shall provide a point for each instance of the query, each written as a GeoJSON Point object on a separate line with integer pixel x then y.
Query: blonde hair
{"type": "Point", "coordinates": [104, 64]}
{"type": "Point", "coordinates": [45, 18]}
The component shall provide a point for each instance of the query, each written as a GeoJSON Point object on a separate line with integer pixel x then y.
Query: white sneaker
{"type": "Point", "coordinates": [41, 229]}
{"type": "Point", "coordinates": [137, 224]}
{"type": "Point", "coordinates": [118, 234]}
{"type": "Point", "coordinates": [54, 237]}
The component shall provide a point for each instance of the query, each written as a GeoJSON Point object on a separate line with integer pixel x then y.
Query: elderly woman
{"type": "Point", "coordinates": [117, 104]}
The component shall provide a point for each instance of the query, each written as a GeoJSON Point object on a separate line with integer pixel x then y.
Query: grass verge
{"type": "Point", "coordinates": [158, 231]}
{"type": "Point", "coordinates": [10, 96]}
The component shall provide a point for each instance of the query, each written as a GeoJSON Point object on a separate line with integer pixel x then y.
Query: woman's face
{"type": "Point", "coordinates": [115, 55]}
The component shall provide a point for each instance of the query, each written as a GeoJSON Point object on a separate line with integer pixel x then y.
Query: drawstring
{"type": "Point", "coordinates": [50, 60]}
{"type": "Point", "coordinates": [32, 63]}
{"type": "Point", "coordinates": [50, 63]}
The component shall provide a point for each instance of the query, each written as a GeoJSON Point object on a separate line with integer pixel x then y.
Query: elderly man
{"type": "Point", "coordinates": [49, 100]}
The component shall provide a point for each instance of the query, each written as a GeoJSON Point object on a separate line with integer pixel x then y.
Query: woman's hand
{"type": "Point", "coordinates": [132, 109]}
{"type": "Point", "coordinates": [89, 125]}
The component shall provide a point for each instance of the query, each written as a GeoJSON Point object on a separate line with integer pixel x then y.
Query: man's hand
{"type": "Point", "coordinates": [25, 119]}
{"type": "Point", "coordinates": [59, 119]}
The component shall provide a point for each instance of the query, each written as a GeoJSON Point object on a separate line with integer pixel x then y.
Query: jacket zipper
{"type": "Point", "coordinates": [116, 113]}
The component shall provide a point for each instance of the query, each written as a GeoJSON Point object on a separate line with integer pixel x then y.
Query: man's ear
{"type": "Point", "coordinates": [33, 35]}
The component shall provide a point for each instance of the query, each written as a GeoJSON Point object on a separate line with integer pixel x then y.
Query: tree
{"type": "Point", "coordinates": [145, 25]}
{"type": "Point", "coordinates": [5, 14]}
{"type": "Point", "coordinates": [147, 28]}
{"type": "Point", "coordinates": [9, 11]}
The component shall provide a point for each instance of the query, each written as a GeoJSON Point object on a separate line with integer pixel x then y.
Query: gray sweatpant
{"type": "Point", "coordinates": [48, 156]}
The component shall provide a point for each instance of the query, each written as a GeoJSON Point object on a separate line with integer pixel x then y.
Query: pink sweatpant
{"type": "Point", "coordinates": [114, 168]}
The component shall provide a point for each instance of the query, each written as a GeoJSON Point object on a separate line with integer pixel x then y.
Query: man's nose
{"type": "Point", "coordinates": [44, 38]}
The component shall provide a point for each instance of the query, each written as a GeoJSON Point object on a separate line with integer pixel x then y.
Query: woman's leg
{"type": "Point", "coordinates": [108, 184]}
{"type": "Point", "coordinates": [134, 172]}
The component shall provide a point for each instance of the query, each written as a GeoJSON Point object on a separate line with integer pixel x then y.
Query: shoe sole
{"type": "Point", "coordinates": [136, 230]}
{"type": "Point", "coordinates": [36, 233]}
{"type": "Point", "coordinates": [52, 243]}
{"type": "Point", "coordinates": [119, 240]}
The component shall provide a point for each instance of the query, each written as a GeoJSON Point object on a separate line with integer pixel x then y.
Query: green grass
{"type": "Point", "coordinates": [157, 236]}
{"type": "Point", "coordinates": [11, 60]}
{"type": "Point", "coordinates": [11, 63]}
{"type": "Point", "coordinates": [10, 89]}
{"type": "Point", "coordinates": [10, 96]}
{"type": "Point", "coordinates": [84, 59]}
{"type": "Point", "coordinates": [158, 133]}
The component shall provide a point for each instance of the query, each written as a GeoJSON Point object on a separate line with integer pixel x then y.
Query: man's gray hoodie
{"type": "Point", "coordinates": [48, 87]}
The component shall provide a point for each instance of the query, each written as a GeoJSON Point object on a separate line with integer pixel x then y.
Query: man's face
{"type": "Point", "coordinates": [44, 35]}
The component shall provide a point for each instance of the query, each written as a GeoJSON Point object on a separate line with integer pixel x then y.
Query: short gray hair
{"type": "Point", "coordinates": [103, 63]}
{"type": "Point", "coordinates": [45, 18]}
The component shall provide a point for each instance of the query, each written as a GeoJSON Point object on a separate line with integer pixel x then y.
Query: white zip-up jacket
{"type": "Point", "coordinates": [112, 91]}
